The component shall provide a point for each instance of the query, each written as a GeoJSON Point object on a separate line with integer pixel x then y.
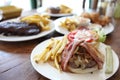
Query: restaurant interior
{"type": "Point", "coordinates": [59, 39]}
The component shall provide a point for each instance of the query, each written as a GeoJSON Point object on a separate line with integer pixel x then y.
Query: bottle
{"type": "Point", "coordinates": [94, 4]}
{"type": "Point", "coordinates": [117, 10]}
{"type": "Point", "coordinates": [102, 7]}
{"type": "Point", "coordinates": [110, 9]}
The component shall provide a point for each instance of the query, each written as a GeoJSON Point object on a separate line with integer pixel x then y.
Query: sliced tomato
{"type": "Point", "coordinates": [89, 40]}
{"type": "Point", "coordinates": [71, 35]}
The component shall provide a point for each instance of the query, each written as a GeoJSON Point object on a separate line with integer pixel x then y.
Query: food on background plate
{"type": "Point", "coordinates": [18, 28]}
{"type": "Point", "coordinates": [54, 10]}
{"type": "Point", "coordinates": [62, 9]}
{"type": "Point", "coordinates": [42, 21]}
{"type": "Point", "coordinates": [25, 26]}
{"type": "Point", "coordinates": [77, 52]}
{"type": "Point", "coordinates": [74, 23]}
{"type": "Point", "coordinates": [69, 24]}
{"type": "Point", "coordinates": [96, 18]}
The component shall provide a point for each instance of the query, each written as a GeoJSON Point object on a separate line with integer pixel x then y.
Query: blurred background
{"type": "Point", "coordinates": [104, 7]}
{"type": "Point", "coordinates": [31, 4]}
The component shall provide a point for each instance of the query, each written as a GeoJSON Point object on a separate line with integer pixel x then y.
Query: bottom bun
{"type": "Point", "coordinates": [79, 70]}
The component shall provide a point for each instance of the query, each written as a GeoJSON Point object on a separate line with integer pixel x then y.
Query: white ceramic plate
{"type": "Point", "coordinates": [42, 10]}
{"type": "Point", "coordinates": [52, 73]}
{"type": "Point", "coordinates": [25, 38]}
{"type": "Point", "coordinates": [106, 29]}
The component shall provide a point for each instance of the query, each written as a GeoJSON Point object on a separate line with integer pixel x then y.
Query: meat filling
{"type": "Point", "coordinates": [81, 59]}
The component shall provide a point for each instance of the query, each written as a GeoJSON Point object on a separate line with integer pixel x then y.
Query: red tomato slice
{"type": "Point", "coordinates": [71, 35]}
{"type": "Point", "coordinates": [89, 40]}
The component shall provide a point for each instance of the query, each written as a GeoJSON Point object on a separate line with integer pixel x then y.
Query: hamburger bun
{"type": "Point", "coordinates": [79, 70]}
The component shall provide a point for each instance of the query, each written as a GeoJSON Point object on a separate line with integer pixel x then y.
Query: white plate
{"type": "Point", "coordinates": [106, 29]}
{"type": "Point", "coordinates": [25, 38]}
{"type": "Point", "coordinates": [52, 73]}
{"type": "Point", "coordinates": [42, 10]}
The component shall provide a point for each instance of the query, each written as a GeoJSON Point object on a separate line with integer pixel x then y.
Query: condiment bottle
{"type": "Point", "coordinates": [117, 10]}
{"type": "Point", "coordinates": [102, 7]}
{"type": "Point", "coordinates": [110, 9]}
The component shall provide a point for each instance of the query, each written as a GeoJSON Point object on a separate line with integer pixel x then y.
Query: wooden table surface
{"type": "Point", "coordinates": [15, 56]}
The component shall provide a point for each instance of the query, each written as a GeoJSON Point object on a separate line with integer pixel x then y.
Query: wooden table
{"type": "Point", "coordinates": [15, 56]}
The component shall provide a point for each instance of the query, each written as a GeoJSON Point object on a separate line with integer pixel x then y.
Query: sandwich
{"type": "Point", "coordinates": [81, 55]}
{"type": "Point", "coordinates": [77, 52]}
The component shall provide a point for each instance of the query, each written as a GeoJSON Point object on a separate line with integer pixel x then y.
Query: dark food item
{"type": "Point", "coordinates": [54, 10]}
{"type": "Point", "coordinates": [82, 59]}
{"type": "Point", "coordinates": [18, 29]}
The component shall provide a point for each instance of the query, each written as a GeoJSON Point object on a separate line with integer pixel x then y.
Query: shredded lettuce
{"type": "Point", "coordinates": [101, 34]}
